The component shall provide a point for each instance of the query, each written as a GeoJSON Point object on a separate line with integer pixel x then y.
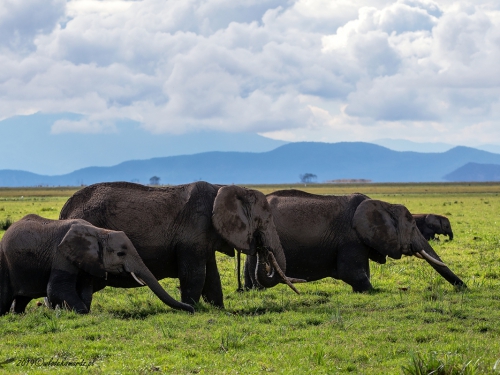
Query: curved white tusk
{"type": "Point", "coordinates": [431, 259]}
{"type": "Point", "coordinates": [280, 272]}
{"type": "Point", "coordinates": [418, 255]}
{"type": "Point", "coordinates": [140, 281]}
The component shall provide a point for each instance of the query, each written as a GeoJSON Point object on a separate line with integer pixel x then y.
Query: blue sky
{"type": "Point", "coordinates": [305, 70]}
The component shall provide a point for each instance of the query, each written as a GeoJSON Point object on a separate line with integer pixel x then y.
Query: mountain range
{"type": "Point", "coordinates": [33, 143]}
{"type": "Point", "coordinates": [284, 164]}
{"type": "Point", "coordinates": [406, 145]}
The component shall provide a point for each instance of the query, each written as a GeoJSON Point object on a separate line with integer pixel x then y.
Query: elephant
{"type": "Point", "coordinates": [336, 236]}
{"type": "Point", "coordinates": [61, 259]}
{"type": "Point", "coordinates": [432, 224]}
{"type": "Point", "coordinates": [177, 229]}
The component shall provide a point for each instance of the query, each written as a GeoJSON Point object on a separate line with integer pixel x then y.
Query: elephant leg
{"type": "Point", "coordinates": [85, 289]}
{"type": "Point", "coordinates": [354, 268]}
{"type": "Point", "coordinates": [238, 271]}
{"type": "Point", "coordinates": [20, 304]}
{"type": "Point", "coordinates": [61, 290]}
{"type": "Point", "coordinates": [212, 289]}
{"type": "Point", "coordinates": [191, 273]}
{"type": "Point", "coordinates": [249, 284]}
{"type": "Point", "coordinates": [428, 234]}
{"type": "Point", "coordinates": [6, 299]}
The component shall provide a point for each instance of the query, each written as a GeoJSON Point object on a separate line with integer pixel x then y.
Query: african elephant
{"type": "Point", "coordinates": [335, 236]}
{"type": "Point", "coordinates": [61, 259]}
{"type": "Point", "coordinates": [431, 224]}
{"type": "Point", "coordinates": [176, 230]}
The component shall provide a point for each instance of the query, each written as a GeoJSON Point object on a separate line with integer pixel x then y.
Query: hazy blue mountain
{"type": "Point", "coordinates": [28, 144]}
{"type": "Point", "coordinates": [475, 172]}
{"type": "Point", "coordinates": [329, 161]}
{"type": "Point", "coordinates": [490, 148]}
{"type": "Point", "coordinates": [10, 177]}
{"type": "Point", "coordinates": [405, 145]}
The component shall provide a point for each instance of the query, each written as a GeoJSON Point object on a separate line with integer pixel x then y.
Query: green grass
{"type": "Point", "coordinates": [413, 323]}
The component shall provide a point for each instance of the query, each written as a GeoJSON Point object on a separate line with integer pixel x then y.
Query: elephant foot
{"type": "Point", "coordinates": [361, 286]}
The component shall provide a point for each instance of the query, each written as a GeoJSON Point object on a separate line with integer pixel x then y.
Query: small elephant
{"type": "Point", "coordinates": [61, 259]}
{"type": "Point", "coordinates": [336, 236]}
{"type": "Point", "coordinates": [432, 224]}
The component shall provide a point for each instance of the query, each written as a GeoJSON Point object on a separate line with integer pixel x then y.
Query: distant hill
{"type": "Point", "coordinates": [30, 145]}
{"type": "Point", "coordinates": [405, 145]}
{"type": "Point", "coordinates": [328, 161]}
{"type": "Point", "coordinates": [475, 172]}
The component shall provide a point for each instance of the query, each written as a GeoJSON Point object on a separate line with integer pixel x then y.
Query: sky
{"type": "Point", "coordinates": [304, 70]}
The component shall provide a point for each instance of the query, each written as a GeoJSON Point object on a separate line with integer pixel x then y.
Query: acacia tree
{"type": "Point", "coordinates": [308, 178]}
{"type": "Point", "coordinates": [155, 180]}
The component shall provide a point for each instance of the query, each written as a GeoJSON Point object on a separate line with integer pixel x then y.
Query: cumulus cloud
{"type": "Point", "coordinates": [304, 69]}
{"type": "Point", "coordinates": [22, 21]}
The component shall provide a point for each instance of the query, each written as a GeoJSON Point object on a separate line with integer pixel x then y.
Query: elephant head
{"type": "Point", "coordinates": [99, 252]}
{"type": "Point", "coordinates": [439, 225]}
{"type": "Point", "coordinates": [243, 219]}
{"type": "Point", "coordinates": [390, 230]}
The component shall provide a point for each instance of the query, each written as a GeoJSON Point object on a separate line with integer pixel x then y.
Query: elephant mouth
{"type": "Point", "coordinates": [140, 281]}
{"type": "Point", "coordinates": [266, 259]}
{"type": "Point", "coordinates": [269, 270]}
{"type": "Point", "coordinates": [263, 259]}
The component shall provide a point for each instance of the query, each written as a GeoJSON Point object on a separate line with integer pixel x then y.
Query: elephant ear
{"type": "Point", "coordinates": [433, 222]}
{"type": "Point", "coordinates": [233, 216]}
{"type": "Point", "coordinates": [376, 227]}
{"type": "Point", "coordinates": [82, 248]}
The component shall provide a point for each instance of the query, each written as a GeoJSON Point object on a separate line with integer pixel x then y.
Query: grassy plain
{"type": "Point", "coordinates": [413, 315]}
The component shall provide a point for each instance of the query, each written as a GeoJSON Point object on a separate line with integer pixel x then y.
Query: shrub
{"type": "Point", "coordinates": [4, 225]}
{"type": "Point", "coordinates": [430, 364]}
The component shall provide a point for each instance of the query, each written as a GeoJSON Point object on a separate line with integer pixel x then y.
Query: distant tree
{"type": "Point", "coordinates": [308, 178]}
{"type": "Point", "coordinates": [155, 180]}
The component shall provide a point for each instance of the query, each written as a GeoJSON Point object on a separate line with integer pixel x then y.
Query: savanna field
{"type": "Point", "coordinates": [414, 321]}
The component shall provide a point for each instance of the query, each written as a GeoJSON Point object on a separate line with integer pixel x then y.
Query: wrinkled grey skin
{"type": "Point", "coordinates": [432, 224]}
{"type": "Point", "coordinates": [336, 236]}
{"type": "Point", "coordinates": [61, 259]}
{"type": "Point", "coordinates": [176, 230]}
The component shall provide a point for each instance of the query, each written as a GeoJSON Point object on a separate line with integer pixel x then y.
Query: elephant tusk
{"type": "Point", "coordinates": [140, 281]}
{"type": "Point", "coordinates": [431, 259]}
{"type": "Point", "coordinates": [418, 255]}
{"type": "Point", "coordinates": [106, 276]}
{"type": "Point", "coordinates": [296, 281]}
{"type": "Point", "coordinates": [280, 272]}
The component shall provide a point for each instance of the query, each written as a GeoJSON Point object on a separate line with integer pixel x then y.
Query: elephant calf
{"type": "Point", "coordinates": [430, 225]}
{"type": "Point", "coordinates": [61, 258]}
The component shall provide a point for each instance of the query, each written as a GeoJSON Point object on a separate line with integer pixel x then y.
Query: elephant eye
{"type": "Point", "coordinates": [120, 253]}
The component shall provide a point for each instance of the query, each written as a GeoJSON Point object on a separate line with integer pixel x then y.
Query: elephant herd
{"type": "Point", "coordinates": [126, 235]}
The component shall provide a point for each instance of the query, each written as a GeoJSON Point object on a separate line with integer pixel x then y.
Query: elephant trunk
{"type": "Point", "coordinates": [423, 248]}
{"type": "Point", "coordinates": [270, 266]}
{"type": "Point", "coordinates": [144, 274]}
{"type": "Point", "coordinates": [450, 235]}
{"type": "Point", "coordinates": [265, 271]}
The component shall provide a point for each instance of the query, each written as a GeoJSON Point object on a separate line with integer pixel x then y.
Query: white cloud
{"type": "Point", "coordinates": [22, 21]}
{"type": "Point", "coordinates": [304, 69]}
